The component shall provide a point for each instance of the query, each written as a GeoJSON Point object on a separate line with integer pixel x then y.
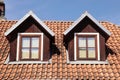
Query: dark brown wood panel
{"type": "Point", "coordinates": [33, 28]}
{"type": "Point", "coordinates": [13, 50]}
{"type": "Point", "coordinates": [102, 48]}
{"type": "Point", "coordinates": [46, 48]}
{"type": "Point", "coordinates": [71, 50]}
{"type": "Point", "coordinates": [29, 26]}
{"type": "Point", "coordinates": [88, 28]}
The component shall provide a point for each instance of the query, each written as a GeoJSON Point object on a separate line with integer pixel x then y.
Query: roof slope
{"type": "Point", "coordinates": [59, 68]}
{"type": "Point", "coordinates": [86, 14]}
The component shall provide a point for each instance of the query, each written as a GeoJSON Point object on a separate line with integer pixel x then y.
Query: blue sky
{"type": "Point", "coordinates": [64, 10]}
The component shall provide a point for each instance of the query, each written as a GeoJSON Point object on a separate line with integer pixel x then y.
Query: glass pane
{"type": "Point", "coordinates": [25, 53]}
{"type": "Point", "coordinates": [25, 42]}
{"type": "Point", "coordinates": [35, 42]}
{"type": "Point", "coordinates": [91, 42]}
{"type": "Point", "coordinates": [82, 42]}
{"type": "Point", "coordinates": [82, 53]}
{"type": "Point", "coordinates": [91, 52]}
{"type": "Point", "coordinates": [34, 54]}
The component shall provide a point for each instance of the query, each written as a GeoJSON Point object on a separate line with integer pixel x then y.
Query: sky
{"type": "Point", "coordinates": [64, 10]}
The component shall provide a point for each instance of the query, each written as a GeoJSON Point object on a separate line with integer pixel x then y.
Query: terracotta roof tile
{"type": "Point", "coordinates": [59, 68]}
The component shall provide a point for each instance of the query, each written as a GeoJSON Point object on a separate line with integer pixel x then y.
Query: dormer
{"type": "Point", "coordinates": [30, 39]}
{"type": "Point", "coordinates": [85, 40]}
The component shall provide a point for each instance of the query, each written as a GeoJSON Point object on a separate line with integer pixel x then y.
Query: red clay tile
{"type": "Point", "coordinates": [59, 67]}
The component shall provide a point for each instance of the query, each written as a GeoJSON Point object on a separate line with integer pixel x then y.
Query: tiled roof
{"type": "Point", "coordinates": [59, 69]}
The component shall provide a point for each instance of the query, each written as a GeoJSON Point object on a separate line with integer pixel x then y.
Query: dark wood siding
{"type": "Point", "coordinates": [13, 50]}
{"type": "Point", "coordinates": [102, 48]}
{"type": "Point", "coordinates": [46, 48]}
{"type": "Point", "coordinates": [87, 29]}
{"type": "Point", "coordinates": [71, 50]}
{"type": "Point", "coordinates": [29, 27]}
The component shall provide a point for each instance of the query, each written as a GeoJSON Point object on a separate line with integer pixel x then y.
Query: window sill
{"type": "Point", "coordinates": [88, 62]}
{"type": "Point", "coordinates": [28, 62]}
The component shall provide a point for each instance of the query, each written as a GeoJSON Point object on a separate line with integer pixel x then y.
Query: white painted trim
{"type": "Point", "coordinates": [88, 62]}
{"type": "Point", "coordinates": [98, 43]}
{"type": "Point", "coordinates": [81, 18]}
{"type": "Point", "coordinates": [18, 43]}
{"type": "Point", "coordinates": [30, 34]}
{"type": "Point", "coordinates": [8, 59]}
{"type": "Point", "coordinates": [98, 46]}
{"type": "Point", "coordinates": [29, 62]}
{"type": "Point", "coordinates": [75, 55]}
{"type": "Point", "coordinates": [30, 13]}
{"type": "Point", "coordinates": [42, 46]}
{"type": "Point", "coordinates": [67, 56]}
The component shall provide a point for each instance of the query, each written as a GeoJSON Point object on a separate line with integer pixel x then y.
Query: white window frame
{"type": "Point", "coordinates": [27, 34]}
{"type": "Point", "coordinates": [86, 61]}
{"type": "Point", "coordinates": [98, 44]}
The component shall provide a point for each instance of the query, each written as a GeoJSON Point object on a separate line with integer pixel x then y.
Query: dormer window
{"type": "Point", "coordinates": [87, 46]}
{"type": "Point", "coordinates": [30, 47]}
{"type": "Point", "coordinates": [85, 40]}
{"type": "Point", "coordinates": [30, 40]}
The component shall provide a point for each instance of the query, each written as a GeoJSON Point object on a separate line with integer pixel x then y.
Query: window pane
{"type": "Point", "coordinates": [82, 53]}
{"type": "Point", "coordinates": [25, 42]}
{"type": "Point", "coordinates": [34, 53]}
{"type": "Point", "coordinates": [35, 42]}
{"type": "Point", "coordinates": [91, 42]}
{"type": "Point", "coordinates": [91, 52]}
{"type": "Point", "coordinates": [82, 42]}
{"type": "Point", "coordinates": [25, 53]}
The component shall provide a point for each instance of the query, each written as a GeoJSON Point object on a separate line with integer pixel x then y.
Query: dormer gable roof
{"type": "Point", "coordinates": [86, 14]}
{"type": "Point", "coordinates": [29, 14]}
